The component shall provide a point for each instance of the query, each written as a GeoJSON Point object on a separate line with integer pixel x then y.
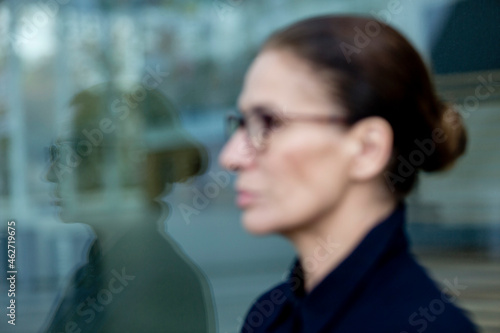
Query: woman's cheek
{"type": "Point", "coordinates": [304, 158]}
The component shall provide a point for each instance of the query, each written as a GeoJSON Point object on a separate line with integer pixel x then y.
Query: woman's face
{"type": "Point", "coordinates": [302, 171]}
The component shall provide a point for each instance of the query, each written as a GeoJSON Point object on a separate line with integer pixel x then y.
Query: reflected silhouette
{"type": "Point", "coordinates": [124, 150]}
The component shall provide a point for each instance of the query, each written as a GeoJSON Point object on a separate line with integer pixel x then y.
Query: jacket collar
{"type": "Point", "coordinates": [331, 296]}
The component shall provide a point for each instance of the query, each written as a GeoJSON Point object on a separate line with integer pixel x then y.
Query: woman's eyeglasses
{"type": "Point", "coordinates": [261, 123]}
{"type": "Point", "coordinates": [73, 148]}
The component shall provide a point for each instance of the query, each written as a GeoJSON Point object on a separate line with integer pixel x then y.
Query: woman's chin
{"type": "Point", "coordinates": [65, 217]}
{"type": "Point", "coordinates": [256, 231]}
{"type": "Point", "coordinates": [258, 225]}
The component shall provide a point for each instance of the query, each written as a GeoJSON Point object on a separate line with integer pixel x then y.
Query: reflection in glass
{"type": "Point", "coordinates": [124, 149]}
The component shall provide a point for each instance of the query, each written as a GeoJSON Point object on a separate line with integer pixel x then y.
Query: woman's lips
{"type": "Point", "coordinates": [56, 199]}
{"type": "Point", "coordinates": [245, 199]}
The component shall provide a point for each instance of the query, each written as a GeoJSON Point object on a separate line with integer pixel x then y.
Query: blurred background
{"type": "Point", "coordinates": [196, 53]}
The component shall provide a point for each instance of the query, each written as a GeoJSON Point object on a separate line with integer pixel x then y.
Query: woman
{"type": "Point", "coordinates": [338, 116]}
{"type": "Point", "coordinates": [123, 151]}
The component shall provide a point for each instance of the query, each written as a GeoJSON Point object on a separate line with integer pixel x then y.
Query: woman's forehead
{"type": "Point", "coordinates": [280, 79]}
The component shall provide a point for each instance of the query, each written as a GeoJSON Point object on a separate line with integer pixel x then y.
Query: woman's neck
{"type": "Point", "coordinates": [144, 224]}
{"type": "Point", "coordinates": [326, 242]}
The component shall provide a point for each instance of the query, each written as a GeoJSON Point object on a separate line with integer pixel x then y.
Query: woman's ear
{"type": "Point", "coordinates": [371, 141]}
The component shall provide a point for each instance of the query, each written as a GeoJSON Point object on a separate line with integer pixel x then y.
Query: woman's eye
{"type": "Point", "coordinates": [270, 122]}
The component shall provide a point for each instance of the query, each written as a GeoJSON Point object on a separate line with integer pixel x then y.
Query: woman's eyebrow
{"type": "Point", "coordinates": [260, 108]}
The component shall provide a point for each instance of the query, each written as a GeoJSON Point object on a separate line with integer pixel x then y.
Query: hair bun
{"type": "Point", "coordinates": [450, 138]}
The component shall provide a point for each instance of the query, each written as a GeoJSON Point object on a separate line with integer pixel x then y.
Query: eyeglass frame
{"type": "Point", "coordinates": [54, 149]}
{"type": "Point", "coordinates": [242, 122]}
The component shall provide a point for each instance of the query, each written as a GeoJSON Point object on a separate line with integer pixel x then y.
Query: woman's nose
{"type": "Point", "coordinates": [50, 173]}
{"type": "Point", "coordinates": [238, 152]}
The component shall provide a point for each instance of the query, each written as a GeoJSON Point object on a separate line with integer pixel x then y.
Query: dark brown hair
{"type": "Point", "coordinates": [372, 70]}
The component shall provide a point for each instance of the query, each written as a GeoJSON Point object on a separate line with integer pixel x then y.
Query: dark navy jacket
{"type": "Point", "coordinates": [378, 288]}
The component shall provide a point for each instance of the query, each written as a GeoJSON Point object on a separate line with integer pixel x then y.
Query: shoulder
{"type": "Point", "coordinates": [400, 296]}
